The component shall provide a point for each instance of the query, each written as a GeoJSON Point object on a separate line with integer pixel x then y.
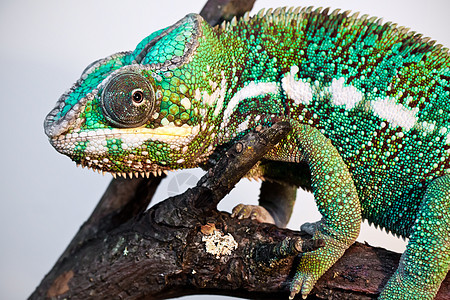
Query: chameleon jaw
{"type": "Point", "coordinates": [96, 151]}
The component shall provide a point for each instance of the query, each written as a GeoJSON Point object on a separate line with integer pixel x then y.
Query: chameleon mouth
{"type": "Point", "coordinates": [180, 134]}
{"type": "Point", "coordinates": [98, 149]}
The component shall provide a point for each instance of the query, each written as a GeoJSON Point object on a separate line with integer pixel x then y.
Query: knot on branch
{"type": "Point", "coordinates": [290, 246]}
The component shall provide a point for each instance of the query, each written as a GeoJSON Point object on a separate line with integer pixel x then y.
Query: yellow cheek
{"type": "Point", "coordinates": [165, 130]}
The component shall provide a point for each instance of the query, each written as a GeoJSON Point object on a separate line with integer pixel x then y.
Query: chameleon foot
{"type": "Point", "coordinates": [314, 264]}
{"type": "Point", "coordinates": [310, 228]}
{"type": "Point", "coordinates": [254, 212]}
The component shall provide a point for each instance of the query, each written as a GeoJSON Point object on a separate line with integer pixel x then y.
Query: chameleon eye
{"type": "Point", "coordinates": [138, 96]}
{"type": "Point", "coordinates": [127, 100]}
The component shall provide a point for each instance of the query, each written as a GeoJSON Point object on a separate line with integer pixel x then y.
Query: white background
{"type": "Point", "coordinates": [44, 47]}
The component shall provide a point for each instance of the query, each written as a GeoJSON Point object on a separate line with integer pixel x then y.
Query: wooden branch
{"type": "Point", "coordinates": [163, 252]}
{"type": "Point", "coordinates": [125, 252]}
{"type": "Point", "coordinates": [165, 246]}
{"type": "Point", "coordinates": [217, 11]}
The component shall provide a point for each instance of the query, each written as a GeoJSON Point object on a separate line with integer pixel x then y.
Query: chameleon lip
{"type": "Point", "coordinates": [97, 154]}
{"type": "Point", "coordinates": [131, 138]}
{"type": "Point", "coordinates": [167, 131]}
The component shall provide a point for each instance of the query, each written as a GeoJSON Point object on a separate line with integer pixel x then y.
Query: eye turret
{"type": "Point", "coordinates": [128, 100]}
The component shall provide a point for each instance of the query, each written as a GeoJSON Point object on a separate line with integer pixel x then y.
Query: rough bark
{"type": "Point", "coordinates": [161, 253]}
{"type": "Point", "coordinates": [125, 252]}
{"type": "Point", "coordinates": [162, 248]}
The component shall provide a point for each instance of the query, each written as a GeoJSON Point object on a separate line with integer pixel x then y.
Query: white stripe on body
{"type": "Point", "coordinates": [346, 95]}
{"type": "Point", "coordinates": [395, 113]}
{"type": "Point", "coordinates": [298, 90]}
{"type": "Point", "coordinates": [252, 89]}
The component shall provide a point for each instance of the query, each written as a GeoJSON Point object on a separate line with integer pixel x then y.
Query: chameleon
{"type": "Point", "coordinates": [368, 102]}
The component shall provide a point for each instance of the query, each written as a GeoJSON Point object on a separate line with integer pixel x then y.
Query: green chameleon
{"type": "Point", "coordinates": [369, 104]}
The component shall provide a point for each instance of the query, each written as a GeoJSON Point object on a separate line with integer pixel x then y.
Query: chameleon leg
{"type": "Point", "coordinates": [426, 260]}
{"type": "Point", "coordinates": [279, 200]}
{"type": "Point", "coordinates": [337, 201]}
{"type": "Point", "coordinates": [276, 202]}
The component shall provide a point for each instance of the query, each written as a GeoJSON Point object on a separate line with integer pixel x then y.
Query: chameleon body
{"type": "Point", "coordinates": [369, 104]}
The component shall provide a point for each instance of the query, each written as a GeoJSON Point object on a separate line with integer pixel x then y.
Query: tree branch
{"type": "Point", "coordinates": [164, 252]}
{"type": "Point", "coordinates": [165, 247]}
{"type": "Point", "coordinates": [217, 11]}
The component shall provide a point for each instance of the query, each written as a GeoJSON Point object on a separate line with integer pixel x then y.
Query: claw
{"type": "Point", "coordinates": [302, 284]}
{"type": "Point", "coordinates": [294, 291]}
{"type": "Point", "coordinates": [254, 212]}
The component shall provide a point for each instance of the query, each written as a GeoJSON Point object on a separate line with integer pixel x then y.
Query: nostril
{"type": "Point", "coordinates": [58, 121]}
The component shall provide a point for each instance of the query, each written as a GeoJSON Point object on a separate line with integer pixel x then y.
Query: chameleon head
{"type": "Point", "coordinates": [136, 112]}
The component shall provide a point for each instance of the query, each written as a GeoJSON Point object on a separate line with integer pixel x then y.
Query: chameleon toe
{"type": "Point", "coordinates": [254, 212]}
